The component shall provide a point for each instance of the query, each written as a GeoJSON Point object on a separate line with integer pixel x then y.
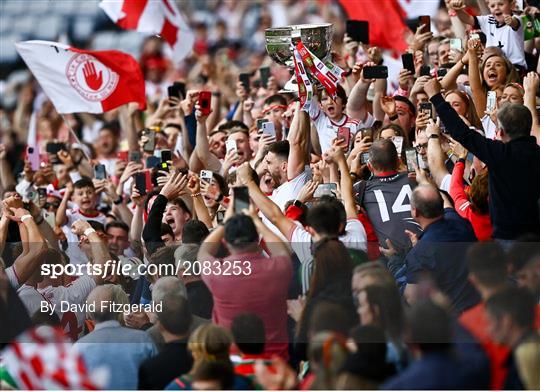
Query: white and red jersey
{"type": "Point", "coordinates": [327, 129]}
{"type": "Point", "coordinates": [74, 293]}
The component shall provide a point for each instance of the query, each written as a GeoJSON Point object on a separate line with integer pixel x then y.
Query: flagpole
{"type": "Point", "coordinates": [74, 135]}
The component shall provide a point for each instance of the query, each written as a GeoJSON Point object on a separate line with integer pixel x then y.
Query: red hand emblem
{"type": "Point", "coordinates": [93, 80]}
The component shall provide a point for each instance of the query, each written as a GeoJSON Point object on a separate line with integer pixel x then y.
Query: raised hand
{"type": "Point", "coordinates": [388, 105]}
{"type": "Point", "coordinates": [92, 78]}
{"type": "Point", "coordinates": [307, 191]}
{"type": "Point", "coordinates": [174, 186]}
{"type": "Point", "coordinates": [79, 227]}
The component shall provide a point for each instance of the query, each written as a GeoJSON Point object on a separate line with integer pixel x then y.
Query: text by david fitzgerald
{"type": "Point", "coordinates": [101, 307]}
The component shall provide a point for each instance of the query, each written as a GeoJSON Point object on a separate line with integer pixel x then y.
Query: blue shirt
{"type": "Point", "coordinates": [441, 251]}
{"type": "Point", "coordinates": [117, 349]}
{"type": "Point", "coordinates": [437, 370]}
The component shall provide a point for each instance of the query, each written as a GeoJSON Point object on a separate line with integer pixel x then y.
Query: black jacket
{"type": "Point", "coordinates": [152, 229]}
{"type": "Point", "coordinates": [172, 361]}
{"type": "Point", "coordinates": [514, 174]}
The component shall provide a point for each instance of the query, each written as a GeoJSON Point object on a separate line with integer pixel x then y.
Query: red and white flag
{"type": "Point", "coordinates": [78, 80]}
{"type": "Point", "coordinates": [156, 17]}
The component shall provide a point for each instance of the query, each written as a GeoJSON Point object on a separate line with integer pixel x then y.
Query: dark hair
{"type": "Point", "coordinates": [383, 155]}
{"type": "Point", "coordinates": [165, 256]}
{"type": "Point", "coordinates": [276, 98]}
{"type": "Point", "coordinates": [430, 327]}
{"type": "Point", "coordinates": [219, 371]}
{"type": "Point", "coordinates": [175, 316]}
{"type": "Point", "coordinates": [281, 149]}
{"type": "Point", "coordinates": [149, 196]}
{"type": "Point", "coordinates": [324, 219]}
{"type": "Point", "coordinates": [331, 263]}
{"type": "Point", "coordinates": [249, 333]}
{"type": "Point", "coordinates": [394, 127]}
{"type": "Point", "coordinates": [222, 184]}
{"type": "Point", "coordinates": [113, 126]}
{"type": "Point", "coordinates": [235, 125]}
{"type": "Point", "coordinates": [515, 120]}
{"type": "Point", "coordinates": [487, 262]}
{"type": "Point", "coordinates": [341, 94]}
{"type": "Point", "coordinates": [182, 204]}
{"type": "Point", "coordinates": [84, 182]}
{"type": "Point", "coordinates": [194, 232]}
{"type": "Point", "coordinates": [401, 98]}
{"type": "Point", "coordinates": [523, 251]}
{"type": "Point", "coordinates": [118, 224]}
{"type": "Point", "coordinates": [332, 316]}
{"type": "Point", "coordinates": [518, 303]}
{"type": "Point", "coordinates": [428, 205]}
{"type": "Point", "coordinates": [387, 299]}
{"type": "Point", "coordinates": [240, 231]}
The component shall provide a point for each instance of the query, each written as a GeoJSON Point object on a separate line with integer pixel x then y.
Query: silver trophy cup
{"type": "Point", "coordinates": [316, 37]}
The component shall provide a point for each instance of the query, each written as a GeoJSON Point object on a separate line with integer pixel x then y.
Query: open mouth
{"type": "Point", "coordinates": [492, 76]}
{"type": "Point", "coordinates": [331, 110]}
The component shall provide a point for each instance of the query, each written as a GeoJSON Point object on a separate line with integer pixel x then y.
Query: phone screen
{"type": "Point", "coordinates": [425, 70]}
{"type": "Point", "coordinates": [344, 134]}
{"type": "Point", "coordinates": [491, 101]}
{"type": "Point", "coordinates": [265, 75]}
{"type": "Point", "coordinates": [425, 107]}
{"type": "Point", "coordinates": [241, 199]}
{"type": "Point", "coordinates": [328, 189]}
{"type": "Point", "coordinates": [375, 72]}
{"type": "Point", "coordinates": [358, 30]}
{"type": "Point", "coordinates": [408, 62]}
{"type": "Point", "coordinates": [99, 172]}
{"type": "Point", "coordinates": [426, 21]}
{"type": "Point", "coordinates": [205, 101]}
{"type": "Point", "coordinates": [140, 183]}
{"type": "Point", "coordinates": [364, 158]}
{"type": "Point", "coordinates": [166, 155]}
{"type": "Point", "coordinates": [245, 80]}
{"type": "Point", "coordinates": [411, 157]}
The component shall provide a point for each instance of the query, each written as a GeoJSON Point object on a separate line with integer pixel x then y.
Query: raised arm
{"type": "Point", "coordinates": [356, 102]}
{"type": "Point", "coordinates": [299, 136]}
{"type": "Point", "coordinates": [198, 202]}
{"type": "Point", "coordinates": [100, 252]}
{"type": "Point", "coordinates": [61, 217]}
{"type": "Point", "coordinates": [530, 84]}
{"type": "Point", "coordinates": [435, 153]}
{"type": "Point", "coordinates": [6, 176]}
{"type": "Point", "coordinates": [275, 245]}
{"type": "Point", "coordinates": [459, 7]}
{"type": "Point", "coordinates": [26, 264]}
{"type": "Point", "coordinates": [335, 154]}
{"type": "Point", "coordinates": [478, 93]}
{"type": "Point", "coordinates": [202, 147]}
{"type": "Point", "coordinates": [269, 209]}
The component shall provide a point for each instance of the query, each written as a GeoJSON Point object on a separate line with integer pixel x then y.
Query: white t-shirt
{"type": "Point", "coordinates": [509, 40]}
{"type": "Point", "coordinates": [12, 278]}
{"type": "Point", "coordinates": [328, 129]}
{"type": "Point", "coordinates": [490, 129]}
{"type": "Point", "coordinates": [300, 240]}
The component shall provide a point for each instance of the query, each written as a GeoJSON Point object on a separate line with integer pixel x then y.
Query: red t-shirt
{"type": "Point", "coordinates": [262, 291]}
{"type": "Point", "coordinates": [483, 229]}
{"type": "Point", "coordinates": [475, 320]}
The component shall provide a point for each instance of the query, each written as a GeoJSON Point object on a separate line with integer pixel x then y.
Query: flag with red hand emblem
{"type": "Point", "coordinates": [78, 80]}
{"type": "Point", "coordinates": [160, 17]}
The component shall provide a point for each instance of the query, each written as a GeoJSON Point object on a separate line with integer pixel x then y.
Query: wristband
{"type": "Point", "coordinates": [119, 200]}
{"type": "Point", "coordinates": [433, 136]}
{"type": "Point", "coordinates": [452, 12]}
{"type": "Point", "coordinates": [196, 194]}
{"type": "Point", "coordinates": [298, 203]}
{"type": "Point", "coordinates": [393, 118]}
{"type": "Point", "coordinates": [353, 175]}
{"type": "Point", "coordinates": [25, 217]}
{"type": "Point", "coordinates": [89, 231]}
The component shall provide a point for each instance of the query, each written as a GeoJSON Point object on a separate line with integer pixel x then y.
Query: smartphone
{"type": "Point", "coordinates": [205, 102]}
{"type": "Point", "coordinates": [100, 173]}
{"type": "Point", "coordinates": [49, 217]}
{"type": "Point", "coordinates": [135, 156]}
{"type": "Point", "coordinates": [491, 101]}
{"type": "Point", "coordinates": [519, 5]}
{"type": "Point", "coordinates": [375, 72]}
{"type": "Point", "coordinates": [474, 36]}
{"type": "Point", "coordinates": [166, 155]}
{"type": "Point", "coordinates": [364, 158]}
{"type": "Point", "coordinates": [244, 78]}
{"type": "Point", "coordinates": [358, 30]}
{"type": "Point", "coordinates": [206, 175]}
{"type": "Point", "coordinates": [173, 91]}
{"type": "Point", "coordinates": [241, 198]}
{"type": "Point", "coordinates": [367, 133]}
{"type": "Point", "coordinates": [344, 134]}
{"type": "Point", "coordinates": [260, 122]}
{"type": "Point", "coordinates": [231, 145]}
{"type": "Point", "coordinates": [269, 128]}
{"type": "Point", "coordinates": [398, 142]}
{"type": "Point", "coordinates": [53, 148]}
{"type": "Point", "coordinates": [220, 216]}
{"type": "Point", "coordinates": [152, 162]}
{"type": "Point", "coordinates": [328, 189]}
{"type": "Point", "coordinates": [164, 166]}
{"type": "Point", "coordinates": [412, 159]}
{"type": "Point", "coordinates": [441, 72]}
{"type": "Point", "coordinates": [426, 107]}
{"type": "Point", "coordinates": [181, 87]}
{"type": "Point", "coordinates": [33, 157]}
{"type": "Point", "coordinates": [122, 156]}
{"type": "Point", "coordinates": [42, 192]}
{"type": "Point", "coordinates": [455, 44]}
{"type": "Point", "coordinates": [426, 21]}
{"type": "Point", "coordinates": [141, 181]}
{"type": "Point", "coordinates": [408, 62]}
{"type": "Point", "coordinates": [151, 142]}
{"type": "Point", "coordinates": [425, 70]}
{"type": "Point", "coordinates": [265, 75]}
